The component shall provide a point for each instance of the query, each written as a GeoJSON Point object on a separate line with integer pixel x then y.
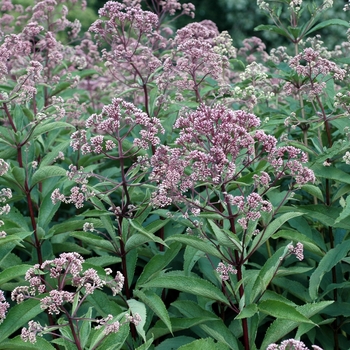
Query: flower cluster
{"type": "Point", "coordinates": [215, 146]}
{"type": "Point", "coordinates": [249, 208]}
{"type": "Point", "coordinates": [113, 327]}
{"type": "Point", "coordinates": [4, 305]}
{"type": "Point", "coordinates": [311, 65]}
{"type": "Point", "coordinates": [5, 194]}
{"type": "Point", "coordinates": [199, 52]}
{"type": "Point", "coordinates": [115, 122]}
{"type": "Point", "coordinates": [291, 344]}
{"type": "Point", "coordinates": [131, 50]}
{"type": "Point", "coordinates": [66, 269]}
{"type": "Point", "coordinates": [298, 250]}
{"type": "Point", "coordinates": [224, 270]}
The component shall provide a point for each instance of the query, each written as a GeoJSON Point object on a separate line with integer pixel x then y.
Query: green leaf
{"type": "Point", "coordinates": [281, 327]}
{"type": "Point", "coordinates": [293, 287]}
{"type": "Point", "coordinates": [271, 229]}
{"type": "Point", "coordinates": [114, 341]}
{"type": "Point", "coordinates": [103, 261]}
{"type": "Point", "coordinates": [175, 343]}
{"type": "Point", "coordinates": [155, 303]}
{"type": "Point", "coordinates": [13, 272]}
{"type": "Point", "coordinates": [60, 87]}
{"type": "Point", "coordinates": [314, 191]}
{"type": "Point", "coordinates": [12, 238]}
{"type": "Point", "coordinates": [139, 308]}
{"type": "Point", "coordinates": [19, 175]}
{"type": "Point", "coordinates": [179, 324]}
{"type": "Point", "coordinates": [46, 211]}
{"type": "Point", "coordinates": [72, 225]}
{"type": "Point", "coordinates": [295, 236]}
{"type": "Point", "coordinates": [345, 212]}
{"type": "Point", "coordinates": [85, 328]}
{"type": "Point", "coordinates": [45, 172]}
{"type": "Point", "coordinates": [146, 345]}
{"type": "Point", "coordinates": [200, 344]}
{"type": "Point", "coordinates": [49, 126]}
{"type": "Point", "coordinates": [135, 241]}
{"type": "Point", "coordinates": [215, 329]}
{"type": "Point", "coordinates": [247, 312]}
{"type": "Point", "coordinates": [191, 256]}
{"type": "Point", "coordinates": [93, 240]}
{"type": "Point", "coordinates": [273, 28]}
{"type": "Point", "coordinates": [49, 157]}
{"type": "Point", "coordinates": [103, 305]}
{"type": "Point", "coordinates": [267, 273]}
{"type": "Point", "coordinates": [331, 259]}
{"type": "Point", "coordinates": [18, 344]}
{"type": "Point", "coordinates": [144, 231]}
{"type": "Point", "coordinates": [282, 310]}
{"type": "Point", "coordinates": [225, 237]}
{"type": "Point", "coordinates": [331, 173]}
{"type": "Point", "coordinates": [327, 215]}
{"type": "Point", "coordinates": [204, 246]}
{"type": "Point", "coordinates": [329, 22]}
{"type": "Point", "coordinates": [188, 284]}
{"type": "Point", "coordinates": [158, 263]}
{"type": "Point", "coordinates": [18, 316]}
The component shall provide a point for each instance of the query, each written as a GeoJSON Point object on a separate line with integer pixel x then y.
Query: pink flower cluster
{"type": "Point", "coordinates": [67, 269]}
{"type": "Point", "coordinates": [199, 52]}
{"type": "Point", "coordinates": [224, 270]}
{"type": "Point", "coordinates": [298, 250]}
{"type": "Point", "coordinates": [4, 305]}
{"type": "Point", "coordinates": [291, 344]}
{"type": "Point", "coordinates": [249, 208]}
{"type": "Point", "coordinates": [215, 145]}
{"type": "Point", "coordinates": [115, 123]}
{"type": "Point", "coordinates": [311, 65]}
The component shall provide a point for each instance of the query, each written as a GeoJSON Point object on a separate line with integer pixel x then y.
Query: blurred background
{"type": "Point", "coordinates": [238, 17]}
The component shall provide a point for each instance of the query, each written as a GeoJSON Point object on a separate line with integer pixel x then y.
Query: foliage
{"type": "Point", "coordinates": [164, 189]}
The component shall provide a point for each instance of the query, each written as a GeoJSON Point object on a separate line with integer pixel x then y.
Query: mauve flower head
{"type": "Point", "coordinates": [4, 305]}
{"type": "Point", "coordinates": [291, 344]}
{"type": "Point", "coordinates": [215, 145]}
{"type": "Point", "coordinates": [116, 120]}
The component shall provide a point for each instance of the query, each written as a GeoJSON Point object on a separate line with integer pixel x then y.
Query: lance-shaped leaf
{"type": "Point", "coordinates": [279, 309]}
{"type": "Point", "coordinates": [271, 229]}
{"type": "Point", "coordinates": [281, 327]}
{"type": "Point", "coordinates": [155, 303]}
{"type": "Point", "coordinates": [332, 258]}
{"type": "Point", "coordinates": [188, 284]}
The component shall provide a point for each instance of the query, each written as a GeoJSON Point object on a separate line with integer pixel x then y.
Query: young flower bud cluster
{"type": "Point", "coordinates": [224, 270]}
{"type": "Point", "coordinates": [315, 68]}
{"type": "Point", "coordinates": [67, 269]}
{"type": "Point", "coordinates": [298, 251]}
{"type": "Point", "coordinates": [4, 305]}
{"type": "Point", "coordinates": [291, 344]}
{"type": "Point", "coordinates": [115, 122]}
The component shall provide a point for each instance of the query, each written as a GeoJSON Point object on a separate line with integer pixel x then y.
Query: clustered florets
{"type": "Point", "coordinates": [291, 344]}
{"type": "Point", "coordinates": [67, 270]}
{"type": "Point", "coordinates": [4, 305]}
{"type": "Point", "coordinates": [298, 250]}
{"type": "Point", "coordinates": [216, 144]}
{"type": "Point", "coordinates": [116, 119]}
{"type": "Point", "coordinates": [315, 69]}
{"type": "Point", "coordinates": [224, 270]}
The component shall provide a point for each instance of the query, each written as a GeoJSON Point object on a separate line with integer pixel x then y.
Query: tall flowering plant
{"type": "Point", "coordinates": [211, 181]}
